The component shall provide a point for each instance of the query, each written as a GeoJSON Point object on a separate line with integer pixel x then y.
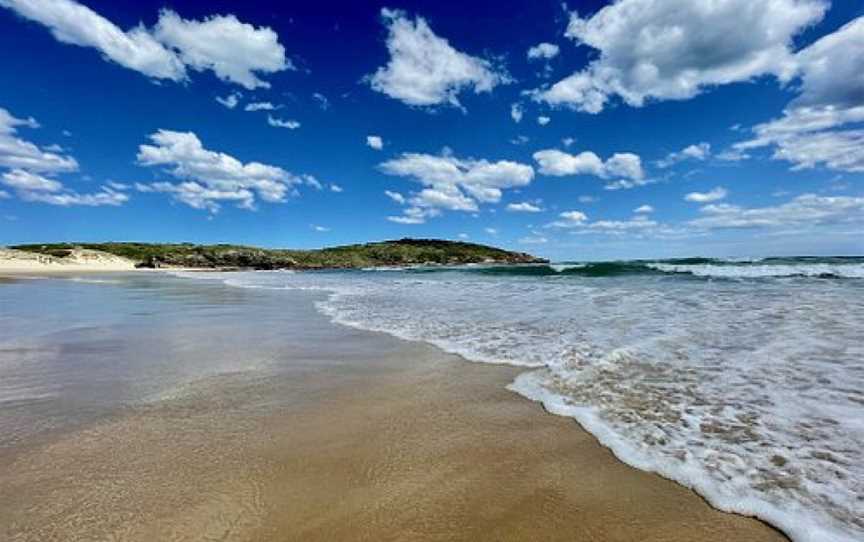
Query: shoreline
{"type": "Point", "coordinates": [367, 438]}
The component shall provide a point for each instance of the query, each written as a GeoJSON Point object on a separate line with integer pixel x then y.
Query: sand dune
{"type": "Point", "coordinates": [19, 261]}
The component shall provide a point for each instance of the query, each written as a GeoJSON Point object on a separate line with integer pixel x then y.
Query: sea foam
{"type": "Point", "coordinates": [750, 391]}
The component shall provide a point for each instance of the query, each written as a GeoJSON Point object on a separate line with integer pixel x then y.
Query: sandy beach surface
{"type": "Point", "coordinates": [78, 260]}
{"type": "Point", "coordinates": [316, 432]}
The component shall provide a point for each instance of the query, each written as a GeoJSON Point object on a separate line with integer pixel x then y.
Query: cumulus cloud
{"type": "Point", "coordinates": [643, 209]}
{"type": "Point", "coordinates": [424, 69]}
{"type": "Point", "coordinates": [209, 178]}
{"type": "Point", "coordinates": [336, 188]}
{"type": "Point", "coordinates": [24, 180]}
{"type": "Point", "coordinates": [524, 207]}
{"type": "Point", "coordinates": [569, 219]}
{"type": "Point", "coordinates": [543, 120]}
{"type": "Point", "coordinates": [233, 50]}
{"type": "Point", "coordinates": [822, 126]}
{"type": "Point", "coordinates": [30, 169]}
{"type": "Point", "coordinates": [282, 123]}
{"type": "Point", "coordinates": [559, 164]}
{"type": "Point", "coordinates": [699, 151]}
{"type": "Point", "coordinates": [375, 142]}
{"type": "Point", "coordinates": [673, 50]}
{"type": "Point", "coordinates": [715, 194]}
{"type": "Point", "coordinates": [455, 184]}
{"type": "Point", "coordinates": [805, 210]}
{"type": "Point", "coordinates": [543, 51]}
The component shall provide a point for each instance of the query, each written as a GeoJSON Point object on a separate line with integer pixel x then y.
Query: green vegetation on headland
{"type": "Point", "coordinates": [385, 253]}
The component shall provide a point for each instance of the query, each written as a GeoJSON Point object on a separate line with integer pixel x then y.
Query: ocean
{"type": "Point", "coordinates": [741, 379]}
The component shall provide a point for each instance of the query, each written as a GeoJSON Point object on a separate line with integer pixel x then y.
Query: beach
{"type": "Point", "coordinates": [245, 415]}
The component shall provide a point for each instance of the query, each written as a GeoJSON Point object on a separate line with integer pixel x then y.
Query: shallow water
{"type": "Point", "coordinates": [742, 380]}
{"type": "Point", "coordinates": [74, 350]}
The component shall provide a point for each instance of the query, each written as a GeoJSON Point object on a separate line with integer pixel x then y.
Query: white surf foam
{"type": "Point", "coordinates": [751, 393]}
{"type": "Point", "coordinates": [765, 270]}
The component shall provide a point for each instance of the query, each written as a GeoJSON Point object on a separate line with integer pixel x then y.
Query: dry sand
{"type": "Point", "coordinates": [18, 261]}
{"type": "Point", "coordinates": [416, 445]}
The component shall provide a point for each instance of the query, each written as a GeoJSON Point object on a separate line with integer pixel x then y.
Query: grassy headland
{"type": "Point", "coordinates": [384, 253]}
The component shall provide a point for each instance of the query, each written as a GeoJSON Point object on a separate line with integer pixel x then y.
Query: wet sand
{"type": "Point", "coordinates": [293, 429]}
{"type": "Point", "coordinates": [416, 445]}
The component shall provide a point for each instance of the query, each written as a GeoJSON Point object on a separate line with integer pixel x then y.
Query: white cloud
{"type": "Point", "coordinates": [375, 142]}
{"type": "Point", "coordinates": [30, 168]}
{"type": "Point", "coordinates": [233, 50]}
{"type": "Point", "coordinates": [211, 177]}
{"type": "Point", "coordinates": [424, 69]}
{"type": "Point", "coordinates": [414, 215]}
{"type": "Point", "coordinates": [543, 120]}
{"type": "Point", "coordinates": [491, 231]}
{"type": "Point", "coordinates": [309, 180]}
{"type": "Point", "coordinates": [24, 180]}
{"type": "Point", "coordinates": [481, 179]}
{"type": "Point", "coordinates": [558, 163]}
{"type": "Point", "coordinates": [21, 154]}
{"type": "Point", "coordinates": [520, 140]}
{"type": "Point", "coordinates": [543, 51]}
{"type": "Point", "coordinates": [715, 194]}
{"type": "Point", "coordinates": [260, 106]}
{"type": "Point", "coordinates": [73, 23]}
{"type": "Point", "coordinates": [626, 184]}
{"type": "Point", "coordinates": [673, 50]}
{"type": "Point", "coordinates": [444, 198]}
{"type": "Point", "coordinates": [36, 188]}
{"type": "Point", "coordinates": [463, 236]}
{"type": "Point", "coordinates": [230, 101]}
{"type": "Point", "coordinates": [643, 209]}
{"type": "Point", "coordinates": [822, 125]}
{"type": "Point", "coordinates": [568, 141]}
{"type": "Point", "coordinates": [699, 151]}
{"type": "Point", "coordinates": [320, 228]}
{"type": "Point", "coordinates": [516, 112]}
{"type": "Point", "coordinates": [456, 184]}
{"type": "Point", "coordinates": [829, 73]}
{"type": "Point", "coordinates": [569, 219]}
{"type": "Point", "coordinates": [620, 226]}
{"type": "Point", "coordinates": [336, 188]}
{"type": "Point", "coordinates": [805, 210]}
{"type": "Point", "coordinates": [395, 196]}
{"type": "Point", "coordinates": [587, 199]}
{"type": "Point", "coordinates": [524, 207]}
{"type": "Point", "coordinates": [282, 123]}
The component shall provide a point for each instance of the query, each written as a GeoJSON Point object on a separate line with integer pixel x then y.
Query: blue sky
{"type": "Point", "coordinates": [588, 130]}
